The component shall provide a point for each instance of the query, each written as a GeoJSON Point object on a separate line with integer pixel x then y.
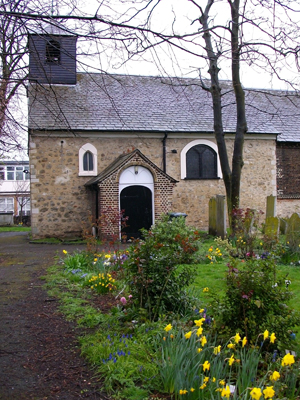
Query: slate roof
{"type": "Point", "coordinates": [100, 102]}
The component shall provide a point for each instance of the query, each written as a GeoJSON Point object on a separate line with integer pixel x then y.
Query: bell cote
{"type": "Point", "coordinates": [52, 57]}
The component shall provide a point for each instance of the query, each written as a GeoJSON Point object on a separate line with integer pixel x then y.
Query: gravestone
{"type": "Point", "coordinates": [272, 227]}
{"type": "Point", "coordinates": [212, 218]}
{"type": "Point", "coordinates": [271, 206]}
{"type": "Point", "coordinates": [293, 231]}
{"type": "Point", "coordinates": [283, 226]}
{"type": "Point", "coordinates": [217, 216]}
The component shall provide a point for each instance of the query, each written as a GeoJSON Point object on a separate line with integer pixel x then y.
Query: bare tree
{"type": "Point", "coordinates": [22, 196]}
{"type": "Point", "coordinates": [227, 34]}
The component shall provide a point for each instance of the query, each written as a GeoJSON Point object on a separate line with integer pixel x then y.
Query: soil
{"type": "Point", "coordinates": [39, 354]}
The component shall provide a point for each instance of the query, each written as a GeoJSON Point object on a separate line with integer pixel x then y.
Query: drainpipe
{"type": "Point", "coordinates": [164, 152]}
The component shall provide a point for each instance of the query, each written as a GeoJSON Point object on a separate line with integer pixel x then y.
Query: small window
{"type": "Point", "coordinates": [201, 163]}
{"type": "Point", "coordinates": [88, 164]}
{"type": "Point", "coordinates": [19, 173]}
{"type": "Point", "coordinates": [87, 157]}
{"type": "Point", "coordinates": [53, 51]}
{"type": "Point", "coordinates": [10, 171]}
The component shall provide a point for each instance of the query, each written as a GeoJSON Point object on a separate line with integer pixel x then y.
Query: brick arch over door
{"type": "Point", "coordinates": [108, 186]}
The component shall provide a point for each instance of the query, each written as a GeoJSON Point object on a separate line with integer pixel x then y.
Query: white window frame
{"type": "Point", "coordinates": [83, 149]}
{"type": "Point", "coordinates": [6, 206]}
{"type": "Point", "coordinates": [21, 168]}
{"type": "Point", "coordinates": [195, 143]}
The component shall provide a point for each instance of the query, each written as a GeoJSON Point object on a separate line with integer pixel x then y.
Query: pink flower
{"type": "Point", "coordinates": [130, 296]}
{"type": "Point", "coordinates": [123, 300]}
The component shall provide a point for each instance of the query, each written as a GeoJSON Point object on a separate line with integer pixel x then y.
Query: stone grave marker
{"type": "Point", "coordinates": [293, 231]}
{"type": "Point", "coordinates": [272, 227]}
{"type": "Point", "coordinates": [212, 219]}
{"type": "Point", "coordinates": [271, 206]}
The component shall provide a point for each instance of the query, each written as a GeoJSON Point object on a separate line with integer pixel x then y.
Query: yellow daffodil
{"type": "Point", "coordinates": [188, 335]}
{"type": "Point", "coordinates": [199, 331]}
{"type": "Point", "coordinates": [237, 338]}
{"type": "Point", "coordinates": [206, 379]}
{"type": "Point", "coordinates": [214, 379]}
{"type": "Point", "coordinates": [199, 350]}
{"type": "Point", "coordinates": [203, 386]}
{"type": "Point", "coordinates": [202, 309]}
{"type": "Point", "coordinates": [222, 382]}
{"type": "Point", "coordinates": [206, 366]}
{"type": "Point", "coordinates": [217, 350]}
{"type": "Point", "coordinates": [231, 346]}
{"type": "Point", "coordinates": [65, 252]}
{"type": "Point", "coordinates": [256, 393]}
{"type": "Point", "coordinates": [199, 322]}
{"type": "Point", "coordinates": [203, 341]}
{"type": "Point", "coordinates": [168, 328]}
{"type": "Point", "coordinates": [231, 360]}
{"type": "Point", "coordinates": [275, 376]}
{"type": "Point", "coordinates": [205, 290]}
{"type": "Point", "coordinates": [184, 391]}
{"type": "Point", "coordinates": [269, 392]}
{"type": "Point", "coordinates": [272, 338]}
{"type": "Point", "coordinates": [244, 342]}
{"type": "Point", "coordinates": [192, 390]}
{"type": "Point", "coordinates": [266, 334]}
{"type": "Point", "coordinates": [288, 359]}
{"type": "Point", "coordinates": [226, 392]}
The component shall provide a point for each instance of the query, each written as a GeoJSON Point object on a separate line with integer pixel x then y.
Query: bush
{"type": "Point", "coordinates": [256, 299]}
{"type": "Point", "coordinates": [159, 267]}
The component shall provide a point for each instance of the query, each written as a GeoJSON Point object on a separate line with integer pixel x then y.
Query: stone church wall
{"type": "Point", "coordinates": [61, 204]}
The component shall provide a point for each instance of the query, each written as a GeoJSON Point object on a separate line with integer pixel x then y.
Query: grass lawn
{"type": "Point", "coordinates": [15, 228]}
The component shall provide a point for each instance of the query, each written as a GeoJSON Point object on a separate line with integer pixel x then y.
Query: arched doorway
{"type": "Point", "coordinates": [136, 199]}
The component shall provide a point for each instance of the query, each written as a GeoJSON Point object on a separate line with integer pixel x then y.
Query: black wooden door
{"type": "Point", "coordinates": [136, 201]}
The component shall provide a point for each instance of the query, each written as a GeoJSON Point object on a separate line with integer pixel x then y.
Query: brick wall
{"type": "Point", "coordinates": [288, 170]}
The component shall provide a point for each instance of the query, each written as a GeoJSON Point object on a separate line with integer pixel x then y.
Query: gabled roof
{"type": "Point", "coordinates": [114, 103]}
{"type": "Point", "coordinates": [122, 160]}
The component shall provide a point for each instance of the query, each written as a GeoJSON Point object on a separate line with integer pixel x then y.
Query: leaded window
{"type": "Point", "coordinates": [201, 163]}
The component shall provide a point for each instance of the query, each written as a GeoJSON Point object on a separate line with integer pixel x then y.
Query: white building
{"type": "Point", "coordinates": [14, 191]}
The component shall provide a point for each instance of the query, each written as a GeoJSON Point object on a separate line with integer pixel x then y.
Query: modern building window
{"type": "Point", "coordinates": [200, 160]}
{"type": "Point", "coordinates": [6, 204]}
{"type": "Point", "coordinates": [53, 51]}
{"type": "Point", "coordinates": [87, 157]}
{"type": "Point", "coordinates": [201, 163]}
{"type": "Point", "coordinates": [88, 163]}
{"type": "Point", "coordinates": [14, 173]}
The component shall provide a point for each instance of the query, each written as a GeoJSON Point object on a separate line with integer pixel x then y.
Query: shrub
{"type": "Point", "coordinates": [255, 299]}
{"type": "Point", "coordinates": [160, 266]}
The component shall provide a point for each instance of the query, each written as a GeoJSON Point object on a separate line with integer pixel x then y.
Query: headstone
{"type": "Point", "coordinates": [221, 216]}
{"type": "Point", "coordinates": [271, 206]}
{"type": "Point", "coordinates": [272, 227]}
{"type": "Point", "coordinates": [212, 218]}
{"type": "Point", "coordinates": [293, 231]}
{"type": "Point", "coordinates": [283, 226]}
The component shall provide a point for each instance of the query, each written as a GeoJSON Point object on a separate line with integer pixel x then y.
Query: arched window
{"type": "Point", "coordinates": [201, 163]}
{"type": "Point", "coordinates": [200, 160]}
{"type": "Point", "coordinates": [53, 51]}
{"type": "Point", "coordinates": [88, 163]}
{"type": "Point", "coordinates": [87, 157]}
